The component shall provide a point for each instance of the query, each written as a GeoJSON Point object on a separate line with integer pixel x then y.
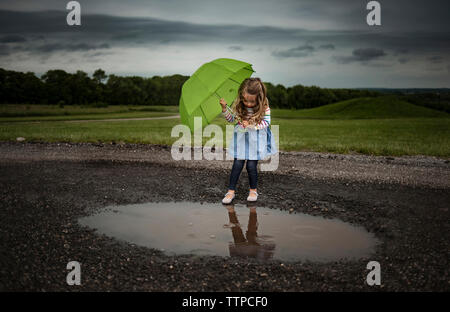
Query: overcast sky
{"type": "Point", "coordinates": [312, 42]}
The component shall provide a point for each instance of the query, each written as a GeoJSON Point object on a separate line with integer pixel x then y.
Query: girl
{"type": "Point", "coordinates": [252, 138]}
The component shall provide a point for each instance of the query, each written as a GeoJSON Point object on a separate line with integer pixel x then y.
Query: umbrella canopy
{"type": "Point", "coordinates": [200, 94]}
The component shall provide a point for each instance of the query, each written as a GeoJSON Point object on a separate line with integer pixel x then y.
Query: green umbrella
{"type": "Point", "coordinates": [201, 93]}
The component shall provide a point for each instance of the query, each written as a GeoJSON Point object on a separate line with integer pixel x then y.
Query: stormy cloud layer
{"type": "Point", "coordinates": [326, 43]}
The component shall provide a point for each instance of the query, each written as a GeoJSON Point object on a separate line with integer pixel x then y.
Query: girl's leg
{"type": "Point", "coordinates": [238, 164]}
{"type": "Point", "coordinates": [252, 173]}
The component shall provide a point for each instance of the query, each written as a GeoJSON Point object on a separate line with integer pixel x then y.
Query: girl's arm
{"type": "Point", "coordinates": [228, 116]}
{"type": "Point", "coordinates": [266, 121]}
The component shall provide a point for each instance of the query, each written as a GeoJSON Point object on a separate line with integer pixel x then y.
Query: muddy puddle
{"type": "Point", "coordinates": [233, 231]}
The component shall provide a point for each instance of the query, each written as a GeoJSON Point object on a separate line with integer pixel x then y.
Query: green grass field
{"type": "Point", "coordinates": [53, 112]}
{"type": "Point", "coordinates": [368, 126]}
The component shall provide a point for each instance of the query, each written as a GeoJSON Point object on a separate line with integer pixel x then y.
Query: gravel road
{"type": "Point", "coordinates": [46, 187]}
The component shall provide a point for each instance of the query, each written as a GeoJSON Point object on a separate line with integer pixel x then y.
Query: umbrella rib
{"type": "Point", "coordinates": [235, 81]}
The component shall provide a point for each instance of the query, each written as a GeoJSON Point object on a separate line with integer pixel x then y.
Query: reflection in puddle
{"type": "Point", "coordinates": [216, 229]}
{"type": "Point", "coordinates": [250, 245]}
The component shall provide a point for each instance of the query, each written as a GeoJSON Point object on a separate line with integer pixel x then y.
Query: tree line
{"type": "Point", "coordinates": [439, 101]}
{"type": "Point", "coordinates": [57, 87]}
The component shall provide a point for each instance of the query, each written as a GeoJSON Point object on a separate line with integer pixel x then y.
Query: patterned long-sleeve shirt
{"type": "Point", "coordinates": [264, 123]}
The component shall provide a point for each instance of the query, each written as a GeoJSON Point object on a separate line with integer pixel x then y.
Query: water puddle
{"type": "Point", "coordinates": [233, 230]}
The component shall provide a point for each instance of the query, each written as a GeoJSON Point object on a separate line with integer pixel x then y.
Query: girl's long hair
{"type": "Point", "coordinates": [252, 86]}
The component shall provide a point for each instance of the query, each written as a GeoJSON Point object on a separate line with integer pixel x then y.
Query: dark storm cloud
{"type": "Point", "coordinates": [403, 15]}
{"type": "Point", "coordinates": [12, 38]}
{"type": "Point", "coordinates": [116, 31]}
{"type": "Point", "coordinates": [411, 34]}
{"type": "Point", "coordinates": [436, 59]}
{"type": "Point", "coordinates": [4, 49]}
{"type": "Point", "coordinates": [39, 37]}
{"type": "Point", "coordinates": [361, 55]}
{"type": "Point", "coordinates": [367, 54]}
{"type": "Point", "coordinates": [98, 54]}
{"type": "Point", "coordinates": [401, 51]}
{"type": "Point", "coordinates": [46, 48]}
{"type": "Point", "coordinates": [126, 31]}
{"type": "Point", "coordinates": [300, 51]}
{"type": "Point", "coordinates": [326, 47]}
{"type": "Point", "coordinates": [398, 15]}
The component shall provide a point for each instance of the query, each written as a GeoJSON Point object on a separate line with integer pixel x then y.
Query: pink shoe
{"type": "Point", "coordinates": [253, 198]}
{"type": "Point", "coordinates": [227, 200]}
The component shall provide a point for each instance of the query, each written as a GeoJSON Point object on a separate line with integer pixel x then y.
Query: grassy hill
{"type": "Point", "coordinates": [388, 106]}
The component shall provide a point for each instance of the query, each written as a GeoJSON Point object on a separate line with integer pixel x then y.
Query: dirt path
{"type": "Point", "coordinates": [45, 188]}
{"type": "Point", "coordinates": [407, 170]}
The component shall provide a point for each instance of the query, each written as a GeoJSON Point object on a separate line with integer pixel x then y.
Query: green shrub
{"type": "Point", "coordinates": [99, 104]}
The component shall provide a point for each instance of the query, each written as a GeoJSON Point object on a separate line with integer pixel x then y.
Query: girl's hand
{"type": "Point", "coordinates": [245, 123]}
{"type": "Point", "coordinates": [224, 104]}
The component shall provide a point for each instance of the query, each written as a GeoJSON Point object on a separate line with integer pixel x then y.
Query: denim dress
{"type": "Point", "coordinates": [250, 143]}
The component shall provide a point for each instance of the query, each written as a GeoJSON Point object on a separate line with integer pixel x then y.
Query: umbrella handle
{"type": "Point", "coordinates": [231, 112]}
{"type": "Point", "coordinates": [235, 117]}
{"type": "Point", "coordinates": [239, 119]}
